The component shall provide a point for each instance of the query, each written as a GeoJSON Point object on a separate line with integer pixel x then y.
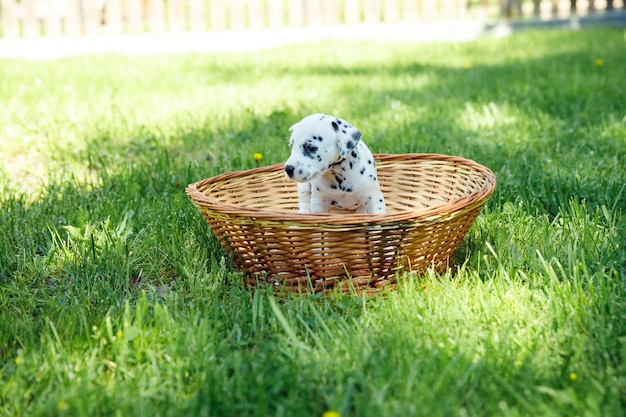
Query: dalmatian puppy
{"type": "Point", "coordinates": [333, 167]}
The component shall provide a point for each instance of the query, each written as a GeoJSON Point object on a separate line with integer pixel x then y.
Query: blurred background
{"type": "Point", "coordinates": [51, 18]}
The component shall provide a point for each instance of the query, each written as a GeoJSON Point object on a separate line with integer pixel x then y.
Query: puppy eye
{"type": "Point", "coordinates": [309, 150]}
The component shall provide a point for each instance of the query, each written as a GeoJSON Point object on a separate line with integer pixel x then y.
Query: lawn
{"type": "Point", "coordinates": [115, 298]}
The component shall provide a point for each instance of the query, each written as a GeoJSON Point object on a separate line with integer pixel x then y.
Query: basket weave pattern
{"type": "Point", "coordinates": [432, 200]}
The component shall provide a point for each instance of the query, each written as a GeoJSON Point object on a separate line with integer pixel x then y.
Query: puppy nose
{"type": "Point", "coordinates": [289, 170]}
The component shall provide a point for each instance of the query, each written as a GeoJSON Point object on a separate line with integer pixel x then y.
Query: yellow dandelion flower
{"type": "Point", "coordinates": [62, 405]}
{"type": "Point", "coordinates": [257, 156]}
{"type": "Point", "coordinates": [467, 65]}
{"type": "Point", "coordinates": [330, 414]}
{"type": "Point", "coordinates": [19, 360]}
{"type": "Point", "coordinates": [599, 62]}
{"type": "Point", "coordinates": [573, 376]}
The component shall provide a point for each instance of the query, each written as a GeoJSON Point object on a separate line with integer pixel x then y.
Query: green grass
{"type": "Point", "coordinates": [115, 299]}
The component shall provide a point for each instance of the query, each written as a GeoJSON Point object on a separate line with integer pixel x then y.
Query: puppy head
{"type": "Point", "coordinates": [317, 143]}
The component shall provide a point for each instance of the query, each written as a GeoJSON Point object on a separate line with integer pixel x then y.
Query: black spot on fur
{"type": "Point", "coordinates": [350, 144]}
{"type": "Point", "coordinates": [369, 161]}
{"type": "Point", "coordinates": [335, 126]}
{"type": "Point", "coordinates": [343, 131]}
{"type": "Point", "coordinates": [333, 186]}
{"type": "Point", "coordinates": [356, 135]}
{"type": "Point", "coordinates": [354, 154]}
{"type": "Point", "coordinates": [363, 171]}
{"type": "Point", "coordinates": [350, 165]}
{"type": "Point", "coordinates": [333, 203]}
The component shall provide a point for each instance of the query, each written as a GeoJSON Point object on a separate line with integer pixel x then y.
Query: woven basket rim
{"type": "Point", "coordinates": [460, 205]}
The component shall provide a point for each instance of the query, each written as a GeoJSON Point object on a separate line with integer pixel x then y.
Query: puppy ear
{"type": "Point", "coordinates": [348, 140]}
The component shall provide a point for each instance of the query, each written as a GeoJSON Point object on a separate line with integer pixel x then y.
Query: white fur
{"type": "Point", "coordinates": [333, 167]}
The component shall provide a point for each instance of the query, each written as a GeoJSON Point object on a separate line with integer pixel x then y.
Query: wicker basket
{"type": "Point", "coordinates": [432, 200]}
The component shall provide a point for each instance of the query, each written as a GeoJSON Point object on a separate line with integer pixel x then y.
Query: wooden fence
{"type": "Point", "coordinates": [33, 18]}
